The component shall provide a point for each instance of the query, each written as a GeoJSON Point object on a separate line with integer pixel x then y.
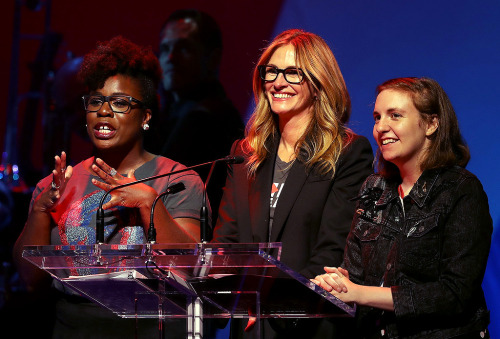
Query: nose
{"type": "Point", "coordinates": [168, 52]}
{"type": "Point", "coordinates": [105, 109]}
{"type": "Point", "coordinates": [165, 57]}
{"type": "Point", "coordinates": [381, 126]}
{"type": "Point", "coordinates": [169, 55]}
{"type": "Point", "coordinates": [280, 81]}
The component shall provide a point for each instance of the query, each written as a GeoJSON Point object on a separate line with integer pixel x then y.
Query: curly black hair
{"type": "Point", "coordinates": [121, 56]}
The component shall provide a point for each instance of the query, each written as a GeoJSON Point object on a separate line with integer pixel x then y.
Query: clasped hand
{"type": "Point", "coordinates": [336, 281]}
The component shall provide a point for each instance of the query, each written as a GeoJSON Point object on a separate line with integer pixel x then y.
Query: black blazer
{"type": "Point", "coordinates": [313, 214]}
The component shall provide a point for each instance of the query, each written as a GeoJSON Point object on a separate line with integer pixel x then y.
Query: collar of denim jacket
{"type": "Point", "coordinates": [424, 185]}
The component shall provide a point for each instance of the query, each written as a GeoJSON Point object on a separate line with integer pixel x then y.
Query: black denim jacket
{"type": "Point", "coordinates": [432, 254]}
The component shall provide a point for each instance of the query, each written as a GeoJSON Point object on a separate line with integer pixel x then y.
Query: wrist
{"type": "Point", "coordinates": [41, 208]}
{"type": "Point", "coordinates": [148, 199]}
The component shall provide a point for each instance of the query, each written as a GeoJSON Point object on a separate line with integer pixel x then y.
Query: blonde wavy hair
{"type": "Point", "coordinates": [325, 136]}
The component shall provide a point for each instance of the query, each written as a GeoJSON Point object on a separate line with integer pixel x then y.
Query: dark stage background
{"type": "Point", "coordinates": [454, 42]}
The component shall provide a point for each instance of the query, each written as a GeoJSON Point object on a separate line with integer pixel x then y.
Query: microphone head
{"type": "Point", "coordinates": [176, 188]}
{"type": "Point", "coordinates": [236, 159]}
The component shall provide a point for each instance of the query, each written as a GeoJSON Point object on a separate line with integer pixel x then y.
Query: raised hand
{"type": "Point", "coordinates": [50, 196]}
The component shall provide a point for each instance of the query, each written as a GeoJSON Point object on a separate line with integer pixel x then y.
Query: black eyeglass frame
{"type": "Point", "coordinates": [262, 73]}
{"type": "Point", "coordinates": [106, 99]}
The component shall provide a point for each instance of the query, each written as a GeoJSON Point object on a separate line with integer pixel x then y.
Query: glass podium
{"type": "Point", "coordinates": [192, 281]}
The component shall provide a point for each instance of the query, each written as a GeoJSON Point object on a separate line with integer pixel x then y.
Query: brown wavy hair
{"type": "Point", "coordinates": [325, 136]}
{"type": "Point", "coordinates": [448, 147]}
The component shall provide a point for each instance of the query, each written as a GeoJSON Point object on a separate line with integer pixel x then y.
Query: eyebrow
{"type": "Point", "coordinates": [391, 110]}
{"type": "Point", "coordinates": [115, 93]}
{"type": "Point", "coordinates": [287, 67]}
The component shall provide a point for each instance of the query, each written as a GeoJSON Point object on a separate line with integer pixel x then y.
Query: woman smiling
{"type": "Point", "coordinates": [419, 242]}
{"type": "Point", "coordinates": [302, 166]}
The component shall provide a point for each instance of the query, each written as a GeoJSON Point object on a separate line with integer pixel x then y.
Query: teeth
{"type": "Point", "coordinates": [282, 95]}
{"type": "Point", "coordinates": [104, 129]}
{"type": "Point", "coordinates": [388, 141]}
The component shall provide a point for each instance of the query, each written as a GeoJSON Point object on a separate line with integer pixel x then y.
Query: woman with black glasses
{"type": "Point", "coordinates": [303, 165]}
{"type": "Point", "coordinates": [123, 80]}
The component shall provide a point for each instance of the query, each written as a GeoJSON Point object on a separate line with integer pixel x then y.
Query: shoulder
{"type": "Point", "coordinates": [161, 164]}
{"type": "Point", "coordinates": [458, 178]}
{"type": "Point", "coordinates": [457, 172]}
{"type": "Point", "coordinates": [43, 183]}
{"type": "Point", "coordinates": [80, 173]}
{"type": "Point", "coordinates": [450, 178]}
{"type": "Point", "coordinates": [240, 147]}
{"type": "Point", "coordinates": [78, 169]}
{"type": "Point", "coordinates": [356, 148]}
{"type": "Point", "coordinates": [355, 143]}
{"type": "Point", "coordinates": [356, 157]}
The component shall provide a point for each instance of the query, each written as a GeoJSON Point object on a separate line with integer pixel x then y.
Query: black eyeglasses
{"type": "Point", "coordinates": [118, 103]}
{"type": "Point", "coordinates": [293, 75]}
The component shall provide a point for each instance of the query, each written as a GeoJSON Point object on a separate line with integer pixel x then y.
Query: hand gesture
{"type": "Point", "coordinates": [139, 195]}
{"type": "Point", "coordinates": [50, 196]}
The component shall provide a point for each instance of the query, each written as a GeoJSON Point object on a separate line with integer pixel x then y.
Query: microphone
{"type": "Point", "coordinates": [204, 208]}
{"type": "Point", "coordinates": [175, 188]}
{"type": "Point", "coordinates": [232, 159]}
{"type": "Point", "coordinates": [100, 212]}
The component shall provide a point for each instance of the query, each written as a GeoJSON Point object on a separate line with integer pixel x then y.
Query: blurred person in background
{"type": "Point", "coordinates": [197, 122]}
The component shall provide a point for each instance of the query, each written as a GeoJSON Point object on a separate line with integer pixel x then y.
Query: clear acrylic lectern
{"type": "Point", "coordinates": [192, 281]}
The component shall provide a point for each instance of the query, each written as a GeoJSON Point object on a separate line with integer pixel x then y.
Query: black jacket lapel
{"type": "Point", "coordinates": [259, 194]}
{"type": "Point", "coordinates": [293, 185]}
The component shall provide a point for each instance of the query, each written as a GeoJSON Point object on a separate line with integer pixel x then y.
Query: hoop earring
{"type": "Point", "coordinates": [145, 126]}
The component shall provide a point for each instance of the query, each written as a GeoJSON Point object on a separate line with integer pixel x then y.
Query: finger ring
{"type": "Point", "coordinates": [53, 186]}
{"type": "Point", "coordinates": [112, 172]}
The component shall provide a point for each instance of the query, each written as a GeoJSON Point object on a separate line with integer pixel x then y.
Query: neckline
{"type": "Point", "coordinates": [90, 161]}
{"type": "Point", "coordinates": [401, 192]}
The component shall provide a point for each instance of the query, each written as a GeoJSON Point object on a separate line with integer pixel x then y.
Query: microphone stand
{"type": "Point", "coordinates": [204, 208]}
{"type": "Point", "coordinates": [205, 235]}
{"type": "Point", "coordinates": [175, 188]}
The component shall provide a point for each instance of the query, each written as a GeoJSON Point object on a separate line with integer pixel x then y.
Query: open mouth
{"type": "Point", "coordinates": [104, 131]}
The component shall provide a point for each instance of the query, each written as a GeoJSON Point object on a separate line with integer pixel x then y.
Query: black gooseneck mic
{"type": "Point", "coordinates": [204, 208]}
{"type": "Point", "coordinates": [100, 212]}
{"type": "Point", "coordinates": [175, 188]}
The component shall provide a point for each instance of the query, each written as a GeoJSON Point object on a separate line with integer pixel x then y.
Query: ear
{"type": "Point", "coordinates": [147, 116]}
{"type": "Point", "coordinates": [432, 125]}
